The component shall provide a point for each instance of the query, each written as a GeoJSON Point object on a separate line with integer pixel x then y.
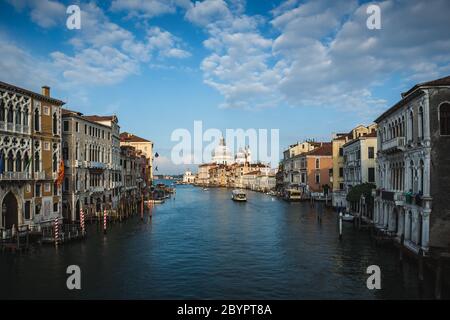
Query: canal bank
{"type": "Point", "coordinates": [203, 245]}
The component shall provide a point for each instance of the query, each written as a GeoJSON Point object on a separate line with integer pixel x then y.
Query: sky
{"type": "Point", "coordinates": [307, 68]}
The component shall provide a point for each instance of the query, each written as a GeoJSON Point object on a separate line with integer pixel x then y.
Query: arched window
{"type": "Point", "coordinates": [37, 162]}
{"type": "Point", "coordinates": [65, 151]}
{"type": "Point", "coordinates": [10, 163]}
{"type": "Point", "coordinates": [25, 117]}
{"type": "Point", "coordinates": [421, 176]}
{"type": "Point", "coordinates": [2, 110]}
{"type": "Point", "coordinates": [18, 162]}
{"type": "Point", "coordinates": [444, 118]}
{"type": "Point", "coordinates": [55, 124]}
{"type": "Point", "coordinates": [411, 125]}
{"type": "Point", "coordinates": [421, 123]}
{"type": "Point", "coordinates": [10, 113]}
{"type": "Point", "coordinates": [55, 162]}
{"type": "Point", "coordinates": [26, 162]}
{"type": "Point", "coordinates": [411, 168]}
{"type": "Point", "coordinates": [66, 184]}
{"type": "Point", "coordinates": [2, 160]}
{"type": "Point", "coordinates": [18, 116]}
{"type": "Point", "coordinates": [36, 120]}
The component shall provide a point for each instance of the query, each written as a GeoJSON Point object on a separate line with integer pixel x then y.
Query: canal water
{"type": "Point", "coordinates": [202, 245]}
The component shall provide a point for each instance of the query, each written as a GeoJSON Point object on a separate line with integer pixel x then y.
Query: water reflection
{"type": "Point", "coordinates": [203, 245]}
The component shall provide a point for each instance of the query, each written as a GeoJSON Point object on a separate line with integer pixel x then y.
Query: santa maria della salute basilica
{"type": "Point", "coordinates": [222, 154]}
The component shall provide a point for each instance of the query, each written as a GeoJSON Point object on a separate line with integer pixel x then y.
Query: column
{"type": "Point", "coordinates": [425, 228]}
{"type": "Point", "coordinates": [407, 225]}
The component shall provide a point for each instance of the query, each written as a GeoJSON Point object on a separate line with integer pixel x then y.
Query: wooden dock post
{"type": "Point", "coordinates": [340, 225]}
{"type": "Point", "coordinates": [438, 283]}
{"type": "Point", "coordinates": [420, 264]}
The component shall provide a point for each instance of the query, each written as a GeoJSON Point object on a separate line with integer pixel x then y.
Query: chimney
{"type": "Point", "coordinates": [46, 91]}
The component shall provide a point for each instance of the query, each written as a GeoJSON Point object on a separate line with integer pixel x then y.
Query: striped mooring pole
{"type": "Point", "coordinates": [104, 220]}
{"type": "Point", "coordinates": [82, 221]}
{"type": "Point", "coordinates": [56, 230]}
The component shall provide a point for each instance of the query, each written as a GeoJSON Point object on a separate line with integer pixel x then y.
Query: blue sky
{"type": "Point", "coordinates": [308, 68]}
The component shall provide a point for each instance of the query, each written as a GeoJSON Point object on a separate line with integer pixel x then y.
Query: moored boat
{"type": "Point", "coordinates": [293, 195]}
{"type": "Point", "coordinates": [238, 195]}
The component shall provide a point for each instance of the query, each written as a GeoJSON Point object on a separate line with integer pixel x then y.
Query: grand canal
{"type": "Point", "coordinates": [200, 244]}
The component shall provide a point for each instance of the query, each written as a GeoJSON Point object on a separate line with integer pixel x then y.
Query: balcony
{"type": "Point", "coordinates": [79, 163]}
{"type": "Point", "coordinates": [18, 128]}
{"type": "Point", "coordinates": [39, 175]}
{"type": "Point", "coordinates": [15, 176]}
{"type": "Point", "coordinates": [393, 145]}
{"type": "Point", "coordinates": [96, 165]}
{"type": "Point", "coordinates": [96, 189]}
{"type": "Point", "coordinates": [395, 196]}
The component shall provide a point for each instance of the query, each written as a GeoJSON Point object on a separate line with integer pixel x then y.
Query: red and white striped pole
{"type": "Point", "coordinates": [104, 221]}
{"type": "Point", "coordinates": [56, 225]}
{"type": "Point", "coordinates": [82, 221]}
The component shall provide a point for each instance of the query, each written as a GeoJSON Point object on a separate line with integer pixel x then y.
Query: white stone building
{"type": "Point", "coordinates": [414, 168]}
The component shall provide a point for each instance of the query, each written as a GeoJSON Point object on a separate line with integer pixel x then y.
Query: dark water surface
{"type": "Point", "coordinates": [203, 245]}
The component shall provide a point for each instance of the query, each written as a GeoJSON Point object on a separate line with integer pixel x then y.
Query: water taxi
{"type": "Point", "coordinates": [238, 195]}
{"type": "Point", "coordinates": [293, 195]}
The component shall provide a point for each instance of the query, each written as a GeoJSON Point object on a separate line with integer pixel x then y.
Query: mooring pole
{"type": "Point", "coordinates": [340, 225]}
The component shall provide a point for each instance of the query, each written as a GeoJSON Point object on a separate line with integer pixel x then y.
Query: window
{"type": "Point", "coordinates": [2, 110]}
{"type": "Point", "coordinates": [85, 129]}
{"type": "Point", "coordinates": [317, 163]}
{"type": "Point", "coordinates": [37, 162]}
{"type": "Point", "coordinates": [38, 190]}
{"type": "Point", "coordinates": [317, 178]}
{"type": "Point", "coordinates": [46, 111]}
{"type": "Point", "coordinates": [411, 125]}
{"type": "Point", "coordinates": [444, 119]}
{"type": "Point", "coordinates": [341, 172]}
{"type": "Point", "coordinates": [65, 151]}
{"type": "Point", "coordinates": [47, 187]}
{"type": "Point", "coordinates": [37, 209]}
{"type": "Point", "coordinates": [341, 186]}
{"type": "Point", "coordinates": [77, 127]}
{"type": "Point", "coordinates": [55, 207]}
{"type": "Point", "coordinates": [341, 152]}
{"type": "Point", "coordinates": [55, 162]}
{"type": "Point", "coordinates": [66, 126]}
{"type": "Point", "coordinates": [18, 162]}
{"type": "Point", "coordinates": [36, 120]}
{"type": "Point", "coordinates": [46, 146]}
{"type": "Point", "coordinates": [371, 152]}
{"type": "Point", "coordinates": [371, 175]}
{"type": "Point", "coordinates": [55, 124]}
{"type": "Point", "coordinates": [55, 189]}
{"type": "Point", "coordinates": [66, 184]}
{"type": "Point", "coordinates": [421, 123]}
{"type": "Point", "coordinates": [27, 210]}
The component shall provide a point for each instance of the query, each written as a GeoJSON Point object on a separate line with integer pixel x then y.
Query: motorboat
{"type": "Point", "coordinates": [347, 217]}
{"type": "Point", "coordinates": [293, 195]}
{"type": "Point", "coordinates": [238, 195]}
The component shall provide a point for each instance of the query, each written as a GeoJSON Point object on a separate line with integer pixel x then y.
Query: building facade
{"type": "Point", "coordinates": [90, 177]}
{"type": "Point", "coordinates": [143, 145]}
{"type": "Point", "coordinates": [412, 200]}
{"type": "Point", "coordinates": [30, 154]}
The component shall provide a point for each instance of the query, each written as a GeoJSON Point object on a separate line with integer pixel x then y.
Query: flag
{"type": "Point", "coordinates": [156, 155]}
{"type": "Point", "coordinates": [156, 168]}
{"type": "Point", "coordinates": [60, 178]}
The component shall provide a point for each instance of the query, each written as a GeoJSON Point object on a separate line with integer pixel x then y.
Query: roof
{"type": "Point", "coordinates": [413, 93]}
{"type": "Point", "coordinates": [99, 118]}
{"type": "Point", "coordinates": [32, 94]}
{"type": "Point", "coordinates": [326, 149]}
{"type": "Point", "coordinates": [372, 134]}
{"type": "Point", "coordinates": [129, 137]}
{"type": "Point", "coordinates": [433, 83]}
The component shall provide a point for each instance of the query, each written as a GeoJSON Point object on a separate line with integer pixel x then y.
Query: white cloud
{"type": "Point", "coordinates": [321, 52]}
{"type": "Point", "coordinates": [148, 8]}
{"type": "Point", "coordinates": [45, 13]}
{"type": "Point", "coordinates": [208, 11]}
